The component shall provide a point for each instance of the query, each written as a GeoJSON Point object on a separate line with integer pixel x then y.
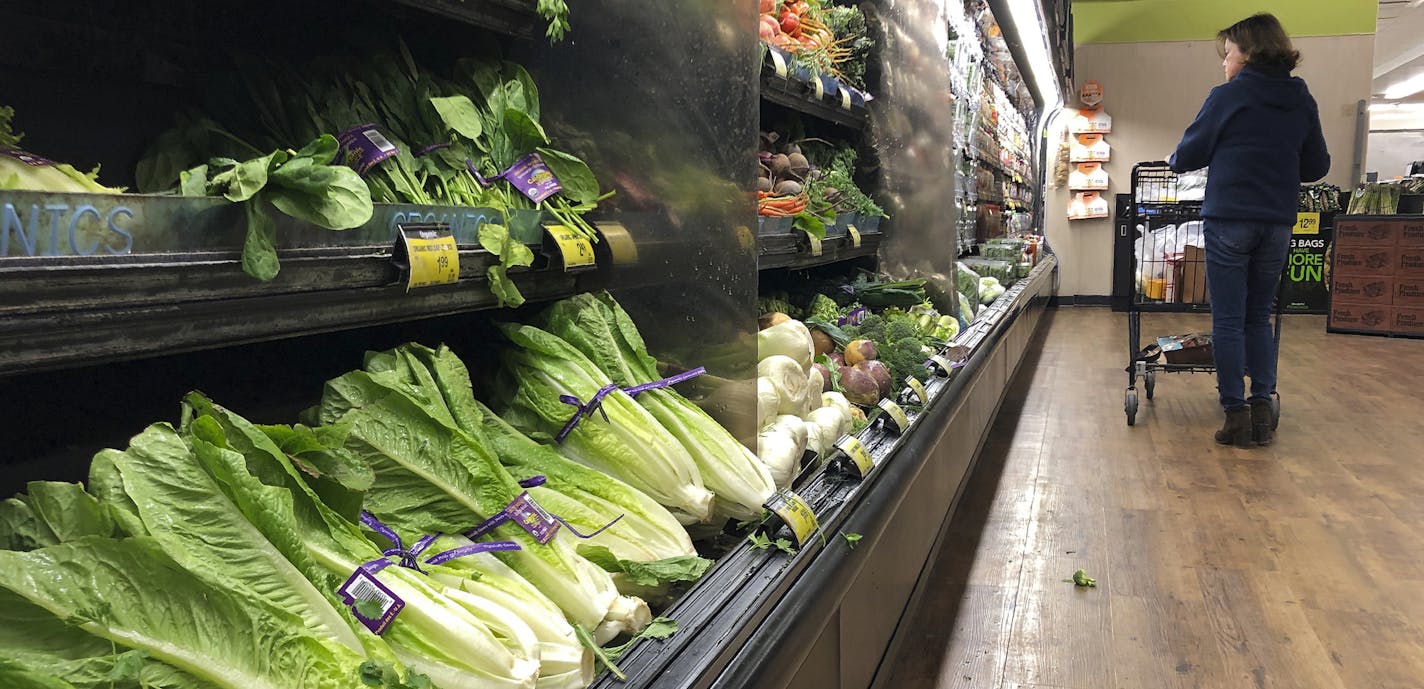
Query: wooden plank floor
{"type": "Point", "coordinates": [1298, 566]}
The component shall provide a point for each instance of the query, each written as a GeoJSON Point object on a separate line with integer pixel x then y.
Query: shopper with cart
{"type": "Point", "coordinates": [1260, 135]}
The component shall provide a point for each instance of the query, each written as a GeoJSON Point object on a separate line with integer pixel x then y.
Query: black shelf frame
{"type": "Point", "coordinates": [516, 18]}
{"type": "Point", "coordinates": [793, 250]}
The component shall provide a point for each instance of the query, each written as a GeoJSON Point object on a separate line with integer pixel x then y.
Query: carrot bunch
{"type": "Point", "coordinates": [781, 206]}
{"type": "Point", "coordinates": [797, 27]}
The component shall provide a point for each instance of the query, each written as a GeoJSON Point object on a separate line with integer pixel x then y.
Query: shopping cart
{"type": "Point", "coordinates": [1170, 276]}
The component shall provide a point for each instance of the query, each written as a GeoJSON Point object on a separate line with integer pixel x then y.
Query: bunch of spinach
{"type": "Point", "coordinates": [303, 184]}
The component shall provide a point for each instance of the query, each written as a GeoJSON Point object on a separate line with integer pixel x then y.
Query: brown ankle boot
{"type": "Point", "coordinates": [1237, 430]}
{"type": "Point", "coordinates": [1261, 423]}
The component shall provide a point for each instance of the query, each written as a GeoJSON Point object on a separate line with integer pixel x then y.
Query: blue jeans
{"type": "Point", "coordinates": [1244, 260]}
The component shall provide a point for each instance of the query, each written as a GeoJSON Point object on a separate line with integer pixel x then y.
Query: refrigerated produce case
{"type": "Point", "coordinates": [93, 347]}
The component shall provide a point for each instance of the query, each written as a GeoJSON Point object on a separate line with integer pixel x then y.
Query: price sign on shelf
{"type": "Point", "coordinates": [858, 458]}
{"type": "Point", "coordinates": [854, 235]}
{"type": "Point", "coordinates": [574, 247]}
{"type": "Point", "coordinates": [428, 255]}
{"type": "Point", "coordinates": [778, 62]}
{"type": "Point", "coordinates": [845, 97]}
{"type": "Point", "coordinates": [917, 389]}
{"type": "Point", "coordinates": [620, 244]}
{"type": "Point", "coordinates": [795, 513]}
{"type": "Point", "coordinates": [942, 366]}
{"type": "Point", "coordinates": [817, 246]}
{"type": "Point", "coordinates": [895, 415]}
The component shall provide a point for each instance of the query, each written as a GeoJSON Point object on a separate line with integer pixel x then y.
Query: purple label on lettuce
{"type": "Point", "coordinates": [27, 158]}
{"type": "Point", "coordinates": [532, 177]}
{"type": "Point", "coordinates": [529, 515]}
{"type": "Point", "coordinates": [363, 591]}
{"type": "Point", "coordinates": [363, 146]}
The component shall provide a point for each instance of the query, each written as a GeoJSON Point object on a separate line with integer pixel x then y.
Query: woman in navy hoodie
{"type": "Point", "coordinates": [1260, 134]}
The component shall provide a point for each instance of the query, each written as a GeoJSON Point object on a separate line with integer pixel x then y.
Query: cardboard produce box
{"type": "Point", "coordinates": [1410, 261]}
{"type": "Point", "coordinates": [1367, 232]}
{"type": "Point", "coordinates": [1370, 318]}
{"type": "Point", "coordinates": [1364, 289]}
{"type": "Point", "coordinates": [1411, 232]}
{"type": "Point", "coordinates": [1191, 348]}
{"type": "Point", "coordinates": [1365, 260]}
{"type": "Point", "coordinates": [1190, 277]}
{"type": "Point", "coordinates": [1408, 291]}
{"type": "Point", "coordinates": [1408, 320]}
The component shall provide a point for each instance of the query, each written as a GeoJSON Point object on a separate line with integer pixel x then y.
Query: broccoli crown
{"type": "Point", "coordinates": [872, 328]}
{"type": "Point", "coordinates": [901, 328]}
{"type": "Point", "coordinates": [905, 358]}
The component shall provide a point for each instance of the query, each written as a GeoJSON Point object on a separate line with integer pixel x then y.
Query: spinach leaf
{"type": "Point", "coordinates": [194, 182]}
{"type": "Point", "coordinates": [250, 176]}
{"type": "Point", "coordinates": [496, 240]}
{"type": "Point", "coordinates": [333, 197]}
{"type": "Point", "coordinates": [259, 250]}
{"type": "Point", "coordinates": [524, 133]}
{"type": "Point", "coordinates": [574, 176]}
{"type": "Point", "coordinates": [459, 114]}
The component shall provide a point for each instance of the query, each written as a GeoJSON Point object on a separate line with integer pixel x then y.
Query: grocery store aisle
{"type": "Point", "coordinates": [1298, 566]}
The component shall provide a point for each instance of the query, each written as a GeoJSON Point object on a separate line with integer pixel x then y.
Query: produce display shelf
{"type": "Point", "coordinates": [794, 250]}
{"type": "Point", "coordinates": [797, 95]}
{"type": "Point", "coordinates": [165, 276]}
{"type": "Point", "coordinates": [516, 18]}
{"type": "Point", "coordinates": [741, 625]}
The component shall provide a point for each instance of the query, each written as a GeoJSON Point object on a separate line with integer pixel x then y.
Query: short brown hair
{"type": "Point", "coordinates": [1263, 40]}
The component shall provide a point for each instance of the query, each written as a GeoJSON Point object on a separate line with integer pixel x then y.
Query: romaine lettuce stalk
{"type": "Point", "coordinates": [433, 634]}
{"type": "Point", "coordinates": [599, 328]}
{"type": "Point", "coordinates": [629, 445]}
{"type": "Point", "coordinates": [432, 476]}
{"type": "Point", "coordinates": [131, 593]}
{"type": "Point", "coordinates": [590, 499]}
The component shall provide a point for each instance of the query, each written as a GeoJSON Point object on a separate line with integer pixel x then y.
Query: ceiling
{"type": "Point", "coordinates": [1399, 45]}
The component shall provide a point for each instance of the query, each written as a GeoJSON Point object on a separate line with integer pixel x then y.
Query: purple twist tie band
{"type": "Point", "coordinates": [409, 558]}
{"type": "Point", "coordinates": [430, 149]}
{"type": "Point", "coordinates": [666, 382]}
{"type": "Point", "coordinates": [470, 165]}
{"type": "Point", "coordinates": [855, 317]}
{"type": "Point", "coordinates": [532, 482]}
{"type": "Point", "coordinates": [585, 409]}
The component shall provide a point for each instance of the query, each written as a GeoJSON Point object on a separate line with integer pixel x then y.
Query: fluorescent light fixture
{"type": "Point", "coordinates": [1033, 33]}
{"type": "Point", "coordinates": [1406, 88]}
{"type": "Point", "coordinates": [1396, 107]}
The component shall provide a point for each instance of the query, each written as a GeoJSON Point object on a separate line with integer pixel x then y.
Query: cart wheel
{"type": "Point", "coordinates": [1130, 406]}
{"type": "Point", "coordinates": [1275, 410]}
{"type": "Point", "coordinates": [1150, 380]}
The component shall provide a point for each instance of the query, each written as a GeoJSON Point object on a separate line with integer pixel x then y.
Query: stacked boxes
{"type": "Point", "coordinates": [1377, 276]}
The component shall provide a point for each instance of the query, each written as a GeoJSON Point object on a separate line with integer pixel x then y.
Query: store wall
{"type": "Point", "coordinates": [1153, 91]}
{"type": "Point", "coordinates": [1392, 152]}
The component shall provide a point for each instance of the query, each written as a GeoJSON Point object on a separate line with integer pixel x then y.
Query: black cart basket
{"type": "Point", "coordinates": [1169, 275]}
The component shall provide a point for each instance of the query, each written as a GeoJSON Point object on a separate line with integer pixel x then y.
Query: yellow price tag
{"type": "Point", "coordinates": [745, 238]}
{"type": "Point", "coordinates": [845, 98]}
{"type": "Point", "coordinates": [819, 87]}
{"type": "Point", "coordinates": [1306, 223]}
{"type": "Point", "coordinates": [575, 248]}
{"type": "Point", "coordinates": [778, 62]}
{"type": "Point", "coordinates": [943, 365]}
{"type": "Point", "coordinates": [431, 254]}
{"type": "Point", "coordinates": [620, 243]}
{"type": "Point", "coordinates": [859, 456]}
{"type": "Point", "coordinates": [795, 513]}
{"type": "Point", "coordinates": [854, 236]}
{"type": "Point", "coordinates": [817, 246]}
{"type": "Point", "coordinates": [896, 414]}
{"type": "Point", "coordinates": [918, 389]}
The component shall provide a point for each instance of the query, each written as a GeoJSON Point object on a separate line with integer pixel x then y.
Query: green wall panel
{"type": "Point", "coordinates": [1142, 21]}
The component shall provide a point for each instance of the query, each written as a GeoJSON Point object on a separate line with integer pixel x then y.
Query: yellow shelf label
{"type": "Point", "coordinates": [778, 63]}
{"type": "Point", "coordinates": [918, 389]}
{"type": "Point", "coordinates": [574, 247]}
{"type": "Point", "coordinates": [620, 243]}
{"type": "Point", "coordinates": [854, 236]}
{"type": "Point", "coordinates": [944, 366]}
{"type": "Point", "coordinates": [855, 450]}
{"type": "Point", "coordinates": [1306, 223]}
{"type": "Point", "coordinates": [845, 98]}
{"type": "Point", "coordinates": [818, 87]}
{"type": "Point", "coordinates": [817, 246]}
{"type": "Point", "coordinates": [795, 513]}
{"type": "Point", "coordinates": [896, 414]}
{"type": "Point", "coordinates": [432, 255]}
